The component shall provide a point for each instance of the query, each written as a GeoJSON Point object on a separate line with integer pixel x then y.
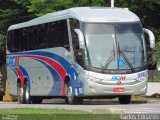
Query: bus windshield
{"type": "Point", "coordinates": [114, 46]}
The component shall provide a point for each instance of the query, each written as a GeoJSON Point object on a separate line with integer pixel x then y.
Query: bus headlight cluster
{"type": "Point", "coordinates": [91, 78]}
{"type": "Point", "coordinates": [141, 78]}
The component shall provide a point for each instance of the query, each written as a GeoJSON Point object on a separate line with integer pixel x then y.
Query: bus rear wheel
{"type": "Point", "coordinates": [29, 99]}
{"type": "Point", "coordinates": [20, 93]}
{"type": "Point", "coordinates": [125, 99]}
{"type": "Point", "coordinates": [27, 93]}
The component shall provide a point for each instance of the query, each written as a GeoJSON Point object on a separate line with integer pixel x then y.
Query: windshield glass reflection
{"type": "Point", "coordinates": [114, 46]}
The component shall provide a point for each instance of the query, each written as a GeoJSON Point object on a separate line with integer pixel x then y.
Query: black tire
{"type": "Point", "coordinates": [70, 98]}
{"type": "Point", "coordinates": [27, 93]}
{"type": "Point", "coordinates": [20, 93]}
{"type": "Point", "coordinates": [79, 100]}
{"type": "Point", "coordinates": [37, 100]}
{"type": "Point", "coordinates": [125, 99]}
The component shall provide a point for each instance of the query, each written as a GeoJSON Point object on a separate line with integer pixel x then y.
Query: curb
{"type": "Point", "coordinates": [108, 111]}
{"type": "Point", "coordinates": [153, 101]}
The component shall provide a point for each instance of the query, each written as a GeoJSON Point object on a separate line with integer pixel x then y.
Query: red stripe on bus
{"type": "Point", "coordinates": [20, 76]}
{"type": "Point", "coordinates": [57, 66]}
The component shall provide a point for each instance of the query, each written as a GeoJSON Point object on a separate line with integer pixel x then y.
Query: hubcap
{"type": "Point", "coordinates": [69, 92]}
{"type": "Point", "coordinates": [27, 93]}
{"type": "Point", "coordinates": [21, 93]}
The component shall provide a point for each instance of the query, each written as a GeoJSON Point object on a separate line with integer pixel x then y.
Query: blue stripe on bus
{"type": "Point", "coordinates": [71, 71]}
{"type": "Point", "coordinates": [25, 76]}
{"type": "Point", "coordinates": [57, 85]}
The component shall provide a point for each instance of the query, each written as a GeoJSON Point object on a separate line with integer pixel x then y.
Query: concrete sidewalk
{"type": "Point", "coordinates": [153, 87]}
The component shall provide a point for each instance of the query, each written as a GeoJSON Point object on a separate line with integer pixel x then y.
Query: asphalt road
{"type": "Point", "coordinates": [93, 106]}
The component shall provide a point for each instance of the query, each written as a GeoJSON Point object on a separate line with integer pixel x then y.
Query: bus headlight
{"type": "Point", "coordinates": [142, 79]}
{"type": "Point", "coordinates": [93, 79]}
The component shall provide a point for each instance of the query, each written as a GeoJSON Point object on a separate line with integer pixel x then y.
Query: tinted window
{"type": "Point", "coordinates": [53, 35]}
{"type": "Point", "coordinates": [74, 24]}
{"type": "Point", "coordinates": [33, 38]}
{"type": "Point", "coordinates": [48, 35]}
{"type": "Point", "coordinates": [128, 28]}
{"type": "Point", "coordinates": [64, 39]}
{"type": "Point", "coordinates": [42, 36]}
{"type": "Point", "coordinates": [58, 34]}
{"type": "Point", "coordinates": [24, 41]}
{"type": "Point", "coordinates": [10, 38]}
{"type": "Point", "coordinates": [16, 41]}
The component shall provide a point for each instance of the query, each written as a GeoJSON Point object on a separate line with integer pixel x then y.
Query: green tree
{"type": "Point", "coordinates": [149, 13]}
{"type": "Point", "coordinates": [12, 13]}
{"type": "Point", "coordinates": [156, 54]}
{"type": "Point", "coordinates": [41, 7]}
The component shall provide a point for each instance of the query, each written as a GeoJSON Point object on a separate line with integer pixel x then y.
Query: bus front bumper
{"type": "Point", "coordinates": [96, 89]}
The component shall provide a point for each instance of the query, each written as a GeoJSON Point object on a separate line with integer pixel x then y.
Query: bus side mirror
{"type": "Point", "coordinates": [151, 37]}
{"type": "Point", "coordinates": [80, 38]}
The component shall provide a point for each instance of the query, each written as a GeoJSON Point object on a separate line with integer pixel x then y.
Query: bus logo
{"type": "Point", "coordinates": [121, 63]}
{"type": "Point", "coordinates": [116, 78]}
{"type": "Point", "coordinates": [13, 61]}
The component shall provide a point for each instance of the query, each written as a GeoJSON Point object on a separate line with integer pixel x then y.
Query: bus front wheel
{"type": "Point", "coordinates": [70, 98]}
{"type": "Point", "coordinates": [125, 99]}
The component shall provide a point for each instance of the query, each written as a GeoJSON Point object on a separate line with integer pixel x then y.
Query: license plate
{"type": "Point", "coordinates": [118, 89]}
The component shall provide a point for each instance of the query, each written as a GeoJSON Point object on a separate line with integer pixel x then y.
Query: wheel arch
{"type": "Point", "coordinates": [66, 80]}
{"type": "Point", "coordinates": [22, 82]}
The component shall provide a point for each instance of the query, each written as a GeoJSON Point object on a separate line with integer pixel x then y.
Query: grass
{"type": "Point", "coordinates": [152, 98]}
{"type": "Point", "coordinates": [155, 79]}
{"type": "Point", "coordinates": [39, 111]}
{"type": "Point", "coordinates": [52, 114]}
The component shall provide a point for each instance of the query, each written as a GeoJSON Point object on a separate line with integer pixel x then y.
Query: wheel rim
{"type": "Point", "coordinates": [69, 92]}
{"type": "Point", "coordinates": [21, 93]}
{"type": "Point", "coordinates": [27, 93]}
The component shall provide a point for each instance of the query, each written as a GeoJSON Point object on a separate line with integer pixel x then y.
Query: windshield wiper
{"type": "Point", "coordinates": [125, 58]}
{"type": "Point", "coordinates": [109, 60]}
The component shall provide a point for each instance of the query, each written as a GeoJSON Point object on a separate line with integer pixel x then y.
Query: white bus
{"type": "Point", "coordinates": [83, 52]}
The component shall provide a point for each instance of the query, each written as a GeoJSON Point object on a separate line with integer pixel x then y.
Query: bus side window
{"type": "Point", "coordinates": [42, 36]}
{"type": "Point", "coordinates": [10, 40]}
{"type": "Point", "coordinates": [15, 41]}
{"type": "Point", "coordinates": [32, 37]}
{"type": "Point", "coordinates": [63, 35]}
{"type": "Point", "coordinates": [24, 40]}
{"type": "Point", "coordinates": [58, 34]}
{"type": "Point", "coordinates": [52, 35]}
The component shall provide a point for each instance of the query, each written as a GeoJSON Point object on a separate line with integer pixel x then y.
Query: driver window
{"type": "Point", "coordinates": [74, 24]}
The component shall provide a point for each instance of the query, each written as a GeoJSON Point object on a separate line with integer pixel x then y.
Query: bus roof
{"type": "Point", "coordinates": [86, 14]}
